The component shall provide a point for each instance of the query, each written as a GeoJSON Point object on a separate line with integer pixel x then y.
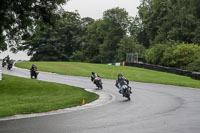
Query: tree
{"type": "Point", "coordinates": [164, 20]}
{"type": "Point", "coordinates": [100, 43]}
{"type": "Point", "coordinates": [20, 17]}
{"type": "Point", "coordinates": [153, 16]}
{"type": "Point", "coordinates": [128, 44]}
{"type": "Point", "coordinates": [115, 26]}
{"type": "Point", "coordinates": [58, 42]}
{"type": "Point", "coordinates": [90, 47]}
{"type": "Point", "coordinates": [86, 22]}
{"type": "Point", "coordinates": [154, 54]}
{"type": "Point", "coordinates": [137, 30]}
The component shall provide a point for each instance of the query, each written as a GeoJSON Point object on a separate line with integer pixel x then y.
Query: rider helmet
{"type": "Point", "coordinates": [120, 76]}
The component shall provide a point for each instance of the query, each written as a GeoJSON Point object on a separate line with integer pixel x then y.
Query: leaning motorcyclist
{"type": "Point", "coordinates": [94, 75]}
{"type": "Point", "coordinates": [120, 82]}
{"type": "Point", "coordinates": [7, 58]}
{"type": "Point", "coordinates": [33, 71]}
{"type": "Point", "coordinates": [33, 68]}
{"type": "Point", "coordinates": [3, 62]}
{"type": "Point", "coordinates": [10, 62]}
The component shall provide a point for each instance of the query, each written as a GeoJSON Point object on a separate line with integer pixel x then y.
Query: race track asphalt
{"type": "Point", "coordinates": [154, 108]}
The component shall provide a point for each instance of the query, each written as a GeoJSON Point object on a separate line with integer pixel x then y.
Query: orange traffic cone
{"type": "Point", "coordinates": [83, 102]}
{"type": "Point", "coordinates": [123, 63]}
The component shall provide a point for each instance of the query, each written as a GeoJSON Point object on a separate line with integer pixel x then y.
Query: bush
{"type": "Point", "coordinates": [77, 56]}
{"type": "Point", "coordinates": [194, 65]}
{"type": "Point", "coordinates": [128, 45]}
{"type": "Point", "coordinates": [180, 56]}
{"type": "Point", "coordinates": [155, 54]}
{"type": "Point", "coordinates": [167, 58]}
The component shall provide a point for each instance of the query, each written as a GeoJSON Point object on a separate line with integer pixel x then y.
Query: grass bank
{"type": "Point", "coordinates": [23, 96]}
{"type": "Point", "coordinates": [110, 72]}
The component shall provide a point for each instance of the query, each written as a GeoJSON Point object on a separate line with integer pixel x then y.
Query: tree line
{"type": "Point", "coordinates": [165, 32]}
{"type": "Point", "coordinates": [170, 29]}
{"type": "Point", "coordinates": [73, 38]}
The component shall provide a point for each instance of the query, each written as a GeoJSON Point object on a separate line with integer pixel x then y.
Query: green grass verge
{"type": "Point", "coordinates": [23, 96]}
{"type": "Point", "coordinates": [110, 72]}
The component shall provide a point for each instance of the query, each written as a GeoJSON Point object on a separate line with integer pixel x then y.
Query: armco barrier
{"type": "Point", "coordinates": [194, 75]}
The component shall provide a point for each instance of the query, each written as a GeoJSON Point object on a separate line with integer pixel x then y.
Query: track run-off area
{"type": "Point", "coordinates": [154, 108]}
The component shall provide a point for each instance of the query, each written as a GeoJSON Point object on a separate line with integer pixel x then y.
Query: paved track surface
{"type": "Point", "coordinates": [154, 108]}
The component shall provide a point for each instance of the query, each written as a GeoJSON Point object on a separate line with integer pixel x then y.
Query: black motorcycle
{"type": "Point", "coordinates": [10, 65]}
{"type": "Point", "coordinates": [3, 63]}
{"type": "Point", "coordinates": [126, 91]}
{"type": "Point", "coordinates": [34, 73]}
{"type": "Point", "coordinates": [98, 83]}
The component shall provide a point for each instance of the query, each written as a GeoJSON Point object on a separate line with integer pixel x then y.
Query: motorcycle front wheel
{"type": "Point", "coordinates": [100, 85]}
{"type": "Point", "coordinates": [129, 98]}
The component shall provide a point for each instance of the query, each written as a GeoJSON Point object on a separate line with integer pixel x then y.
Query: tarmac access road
{"type": "Point", "coordinates": [154, 108]}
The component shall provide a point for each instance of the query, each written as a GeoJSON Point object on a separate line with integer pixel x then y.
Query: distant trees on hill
{"type": "Point", "coordinates": [165, 32]}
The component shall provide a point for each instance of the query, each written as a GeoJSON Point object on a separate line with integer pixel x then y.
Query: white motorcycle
{"type": "Point", "coordinates": [126, 91]}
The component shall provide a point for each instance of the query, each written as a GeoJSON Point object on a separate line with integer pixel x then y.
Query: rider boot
{"type": "Point", "coordinates": [130, 90]}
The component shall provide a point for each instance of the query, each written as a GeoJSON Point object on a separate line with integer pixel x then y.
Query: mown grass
{"type": "Point", "coordinates": [23, 96]}
{"type": "Point", "coordinates": [110, 72]}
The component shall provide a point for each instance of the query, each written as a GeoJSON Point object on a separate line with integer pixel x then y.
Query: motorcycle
{"type": "Point", "coordinates": [10, 65]}
{"type": "Point", "coordinates": [126, 91]}
{"type": "Point", "coordinates": [3, 63]}
{"type": "Point", "coordinates": [34, 73]}
{"type": "Point", "coordinates": [98, 83]}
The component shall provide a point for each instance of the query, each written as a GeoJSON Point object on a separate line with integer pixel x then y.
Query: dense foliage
{"type": "Point", "coordinates": [184, 56]}
{"type": "Point", "coordinates": [19, 18]}
{"type": "Point", "coordinates": [169, 30]}
{"type": "Point", "coordinates": [58, 42]}
{"type": "Point", "coordinates": [164, 20]}
{"type": "Point", "coordinates": [84, 39]}
{"type": "Point", "coordinates": [154, 54]}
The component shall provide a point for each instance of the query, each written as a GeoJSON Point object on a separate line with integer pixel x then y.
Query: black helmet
{"type": "Point", "coordinates": [93, 73]}
{"type": "Point", "coordinates": [120, 76]}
